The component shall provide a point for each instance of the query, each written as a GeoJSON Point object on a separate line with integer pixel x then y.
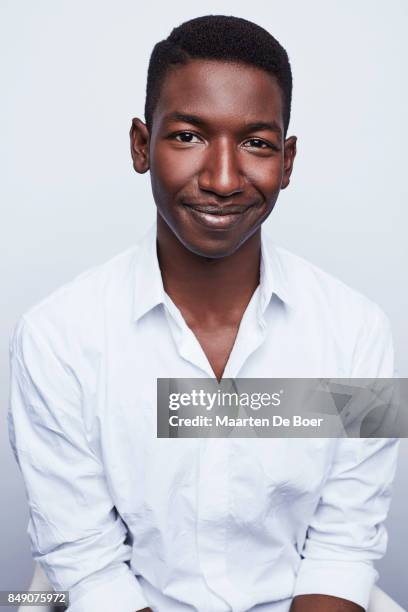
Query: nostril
{"type": "Point", "coordinates": [221, 185]}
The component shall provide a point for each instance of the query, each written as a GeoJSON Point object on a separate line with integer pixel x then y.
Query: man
{"type": "Point", "coordinates": [127, 521]}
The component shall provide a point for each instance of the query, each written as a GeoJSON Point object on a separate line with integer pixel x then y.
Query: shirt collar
{"type": "Point", "coordinates": [148, 287]}
{"type": "Point", "coordinates": [273, 280]}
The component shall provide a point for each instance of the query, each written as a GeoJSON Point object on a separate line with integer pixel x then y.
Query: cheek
{"type": "Point", "coordinates": [265, 174]}
{"type": "Point", "coordinates": [172, 170]}
{"type": "Point", "coordinates": [268, 179]}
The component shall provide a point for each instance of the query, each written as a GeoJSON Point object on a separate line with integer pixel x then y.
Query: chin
{"type": "Point", "coordinates": [216, 248]}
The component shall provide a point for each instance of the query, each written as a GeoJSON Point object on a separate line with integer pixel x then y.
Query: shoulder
{"type": "Point", "coordinates": [312, 287]}
{"type": "Point", "coordinates": [78, 309]}
{"type": "Point", "coordinates": [336, 314]}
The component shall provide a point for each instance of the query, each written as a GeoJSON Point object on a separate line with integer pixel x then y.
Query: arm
{"type": "Point", "coordinates": [347, 534]}
{"type": "Point", "coordinates": [76, 534]}
{"type": "Point", "coordinates": [323, 603]}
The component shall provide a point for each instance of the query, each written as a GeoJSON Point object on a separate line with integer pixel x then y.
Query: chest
{"type": "Point", "coordinates": [217, 344]}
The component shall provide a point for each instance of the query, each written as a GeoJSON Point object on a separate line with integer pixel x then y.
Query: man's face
{"type": "Point", "coordinates": [216, 153]}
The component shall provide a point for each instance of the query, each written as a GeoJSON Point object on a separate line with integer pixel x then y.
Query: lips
{"type": "Point", "coordinates": [217, 217]}
{"type": "Point", "coordinates": [215, 209]}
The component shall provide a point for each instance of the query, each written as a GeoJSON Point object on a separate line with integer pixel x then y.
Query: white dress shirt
{"type": "Point", "coordinates": [123, 519]}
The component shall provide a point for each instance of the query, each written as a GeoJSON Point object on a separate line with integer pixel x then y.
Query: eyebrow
{"type": "Point", "coordinates": [193, 119]}
{"type": "Point", "coordinates": [256, 126]}
{"type": "Point", "coordinates": [272, 126]}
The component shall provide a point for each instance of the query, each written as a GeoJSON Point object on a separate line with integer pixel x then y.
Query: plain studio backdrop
{"type": "Point", "coordinates": [73, 75]}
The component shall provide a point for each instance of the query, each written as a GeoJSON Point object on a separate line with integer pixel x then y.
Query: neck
{"type": "Point", "coordinates": [208, 290]}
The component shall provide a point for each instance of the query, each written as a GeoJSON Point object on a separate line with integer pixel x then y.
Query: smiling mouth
{"type": "Point", "coordinates": [215, 217]}
{"type": "Point", "coordinates": [211, 209]}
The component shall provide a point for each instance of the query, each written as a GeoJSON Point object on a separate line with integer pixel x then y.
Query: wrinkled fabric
{"type": "Point", "coordinates": [123, 519]}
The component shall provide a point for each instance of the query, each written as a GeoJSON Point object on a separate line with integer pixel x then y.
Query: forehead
{"type": "Point", "coordinates": [220, 90]}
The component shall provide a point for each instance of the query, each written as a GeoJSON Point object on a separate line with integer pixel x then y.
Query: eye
{"type": "Point", "coordinates": [187, 137]}
{"type": "Point", "coordinates": [258, 143]}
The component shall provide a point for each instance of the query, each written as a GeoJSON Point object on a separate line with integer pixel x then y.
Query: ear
{"type": "Point", "coordinates": [139, 146]}
{"type": "Point", "coordinates": [288, 159]}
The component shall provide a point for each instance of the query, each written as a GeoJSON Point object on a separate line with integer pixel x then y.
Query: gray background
{"type": "Point", "coordinates": [73, 74]}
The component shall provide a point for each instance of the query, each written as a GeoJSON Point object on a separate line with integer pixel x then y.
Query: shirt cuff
{"type": "Point", "coordinates": [351, 580]}
{"type": "Point", "coordinates": [108, 592]}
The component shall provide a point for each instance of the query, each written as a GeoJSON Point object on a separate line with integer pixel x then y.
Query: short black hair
{"type": "Point", "coordinates": [219, 37]}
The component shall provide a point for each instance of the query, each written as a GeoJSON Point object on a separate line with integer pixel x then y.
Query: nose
{"type": "Point", "coordinates": [220, 173]}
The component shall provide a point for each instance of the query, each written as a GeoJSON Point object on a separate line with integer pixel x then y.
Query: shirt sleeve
{"type": "Point", "coordinates": [75, 531]}
{"type": "Point", "coordinates": [347, 533]}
